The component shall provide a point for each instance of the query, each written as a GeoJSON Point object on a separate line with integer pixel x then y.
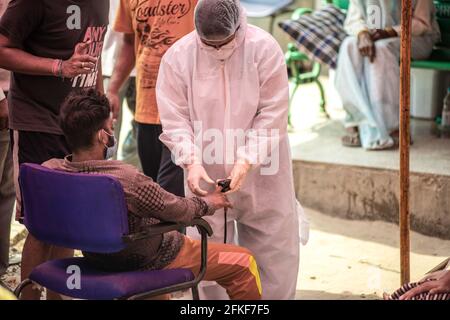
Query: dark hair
{"type": "Point", "coordinates": [83, 113]}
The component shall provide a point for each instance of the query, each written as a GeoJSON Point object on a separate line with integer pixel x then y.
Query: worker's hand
{"type": "Point", "coordinates": [217, 200]}
{"type": "Point", "coordinates": [114, 102]}
{"type": "Point", "coordinates": [366, 45]}
{"type": "Point", "coordinates": [431, 287]}
{"type": "Point", "coordinates": [380, 34]}
{"type": "Point", "coordinates": [4, 115]}
{"type": "Point", "coordinates": [238, 175]}
{"type": "Point", "coordinates": [80, 62]}
{"type": "Point", "coordinates": [196, 173]}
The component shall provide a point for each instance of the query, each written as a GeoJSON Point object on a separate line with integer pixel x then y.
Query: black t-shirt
{"type": "Point", "coordinates": [50, 29]}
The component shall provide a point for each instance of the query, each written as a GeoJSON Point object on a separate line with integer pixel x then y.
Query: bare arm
{"type": "Point", "coordinates": [17, 60]}
{"type": "Point", "coordinates": [125, 63]}
{"type": "Point", "coordinates": [100, 87]}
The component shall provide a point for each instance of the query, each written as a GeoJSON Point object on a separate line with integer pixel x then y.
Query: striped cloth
{"type": "Point", "coordinates": [424, 296]}
{"type": "Point", "coordinates": [319, 35]}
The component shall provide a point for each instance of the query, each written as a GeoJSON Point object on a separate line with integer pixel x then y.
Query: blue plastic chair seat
{"type": "Point", "coordinates": [264, 8]}
{"type": "Point", "coordinates": [98, 285]}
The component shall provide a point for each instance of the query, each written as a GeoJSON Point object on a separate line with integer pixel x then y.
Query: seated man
{"type": "Point", "coordinates": [87, 126]}
{"type": "Point", "coordinates": [368, 72]}
{"type": "Point", "coordinates": [435, 286]}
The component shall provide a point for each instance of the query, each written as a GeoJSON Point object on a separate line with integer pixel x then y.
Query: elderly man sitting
{"type": "Point", "coordinates": [87, 126]}
{"type": "Point", "coordinates": [368, 72]}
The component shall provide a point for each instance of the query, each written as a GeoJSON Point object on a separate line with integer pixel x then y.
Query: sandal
{"type": "Point", "coordinates": [352, 139]}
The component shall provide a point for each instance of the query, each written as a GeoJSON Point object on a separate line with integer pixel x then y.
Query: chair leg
{"type": "Point", "coordinates": [323, 103]}
{"type": "Point", "coordinates": [291, 101]}
{"type": "Point", "coordinates": [22, 286]}
{"type": "Point", "coordinates": [195, 295]}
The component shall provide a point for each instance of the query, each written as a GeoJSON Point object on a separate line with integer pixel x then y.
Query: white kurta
{"type": "Point", "coordinates": [247, 91]}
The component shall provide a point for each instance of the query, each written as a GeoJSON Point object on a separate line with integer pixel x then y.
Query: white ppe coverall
{"type": "Point", "coordinates": [248, 90]}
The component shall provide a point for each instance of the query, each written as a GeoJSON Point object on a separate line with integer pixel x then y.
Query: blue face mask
{"type": "Point", "coordinates": [111, 146]}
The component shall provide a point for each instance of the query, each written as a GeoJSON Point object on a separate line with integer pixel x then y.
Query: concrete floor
{"type": "Point", "coordinates": [316, 138]}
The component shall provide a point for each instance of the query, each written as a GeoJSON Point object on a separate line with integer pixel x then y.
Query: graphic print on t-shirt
{"type": "Point", "coordinates": [156, 26]}
{"type": "Point", "coordinates": [95, 36]}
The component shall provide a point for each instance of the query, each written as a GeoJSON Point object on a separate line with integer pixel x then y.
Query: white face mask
{"type": "Point", "coordinates": [111, 146]}
{"type": "Point", "coordinates": [224, 52]}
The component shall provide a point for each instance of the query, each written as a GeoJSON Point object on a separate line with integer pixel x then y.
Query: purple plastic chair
{"type": "Point", "coordinates": [89, 213]}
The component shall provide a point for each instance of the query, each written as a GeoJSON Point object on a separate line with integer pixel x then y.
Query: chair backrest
{"type": "Point", "coordinates": [78, 211]}
{"type": "Point", "coordinates": [342, 4]}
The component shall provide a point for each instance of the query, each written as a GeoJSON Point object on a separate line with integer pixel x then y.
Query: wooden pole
{"type": "Point", "coordinates": [405, 136]}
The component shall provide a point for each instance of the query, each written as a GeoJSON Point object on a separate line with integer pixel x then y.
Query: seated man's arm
{"type": "Point", "coordinates": [356, 19]}
{"type": "Point", "coordinates": [148, 199]}
{"type": "Point", "coordinates": [441, 285]}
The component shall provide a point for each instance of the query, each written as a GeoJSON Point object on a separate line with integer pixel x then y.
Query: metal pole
{"type": "Point", "coordinates": [405, 136]}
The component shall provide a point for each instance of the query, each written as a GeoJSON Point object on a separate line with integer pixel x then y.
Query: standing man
{"type": "Point", "coordinates": [52, 48]}
{"type": "Point", "coordinates": [7, 194]}
{"type": "Point", "coordinates": [113, 45]}
{"type": "Point", "coordinates": [150, 28]}
{"type": "Point", "coordinates": [223, 97]}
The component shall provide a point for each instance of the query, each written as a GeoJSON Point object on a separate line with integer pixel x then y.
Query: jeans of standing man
{"type": "Point", "coordinates": [156, 159]}
{"type": "Point", "coordinates": [7, 198]}
{"type": "Point", "coordinates": [129, 148]}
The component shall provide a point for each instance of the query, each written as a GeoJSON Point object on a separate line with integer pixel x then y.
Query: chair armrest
{"type": "Point", "coordinates": [165, 227]}
{"type": "Point", "coordinates": [301, 12]}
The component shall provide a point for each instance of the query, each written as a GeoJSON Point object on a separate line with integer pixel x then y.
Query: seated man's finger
{"type": "Point", "coordinates": [424, 287]}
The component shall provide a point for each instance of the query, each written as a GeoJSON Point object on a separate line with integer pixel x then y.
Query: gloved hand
{"type": "Point", "coordinates": [238, 175]}
{"type": "Point", "coordinates": [196, 173]}
{"type": "Point", "coordinates": [366, 45]}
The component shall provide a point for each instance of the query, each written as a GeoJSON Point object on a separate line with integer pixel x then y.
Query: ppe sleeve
{"type": "Point", "coordinates": [173, 107]}
{"type": "Point", "coordinates": [355, 21]}
{"type": "Point", "coordinates": [270, 123]}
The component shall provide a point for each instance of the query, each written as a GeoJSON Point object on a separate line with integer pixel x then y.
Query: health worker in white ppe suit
{"type": "Point", "coordinates": [222, 95]}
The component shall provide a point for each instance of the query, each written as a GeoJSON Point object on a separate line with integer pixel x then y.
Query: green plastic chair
{"type": "Point", "coordinates": [295, 58]}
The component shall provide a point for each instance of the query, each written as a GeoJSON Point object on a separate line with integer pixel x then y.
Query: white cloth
{"type": "Point", "coordinates": [247, 91]}
{"type": "Point", "coordinates": [423, 20]}
{"type": "Point", "coordinates": [112, 44]}
{"type": "Point", "coordinates": [2, 95]}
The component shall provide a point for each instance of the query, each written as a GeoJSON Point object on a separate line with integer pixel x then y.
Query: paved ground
{"type": "Point", "coordinates": [360, 260]}
{"type": "Point", "coordinates": [347, 259]}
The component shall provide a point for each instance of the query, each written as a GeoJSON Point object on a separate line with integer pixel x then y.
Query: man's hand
{"type": "Point", "coordinates": [4, 123]}
{"type": "Point", "coordinates": [79, 63]}
{"type": "Point", "coordinates": [196, 173]}
{"type": "Point", "coordinates": [114, 102]}
{"type": "Point", "coordinates": [366, 45]}
{"type": "Point", "coordinates": [217, 200]}
{"type": "Point", "coordinates": [380, 34]}
{"type": "Point", "coordinates": [431, 287]}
